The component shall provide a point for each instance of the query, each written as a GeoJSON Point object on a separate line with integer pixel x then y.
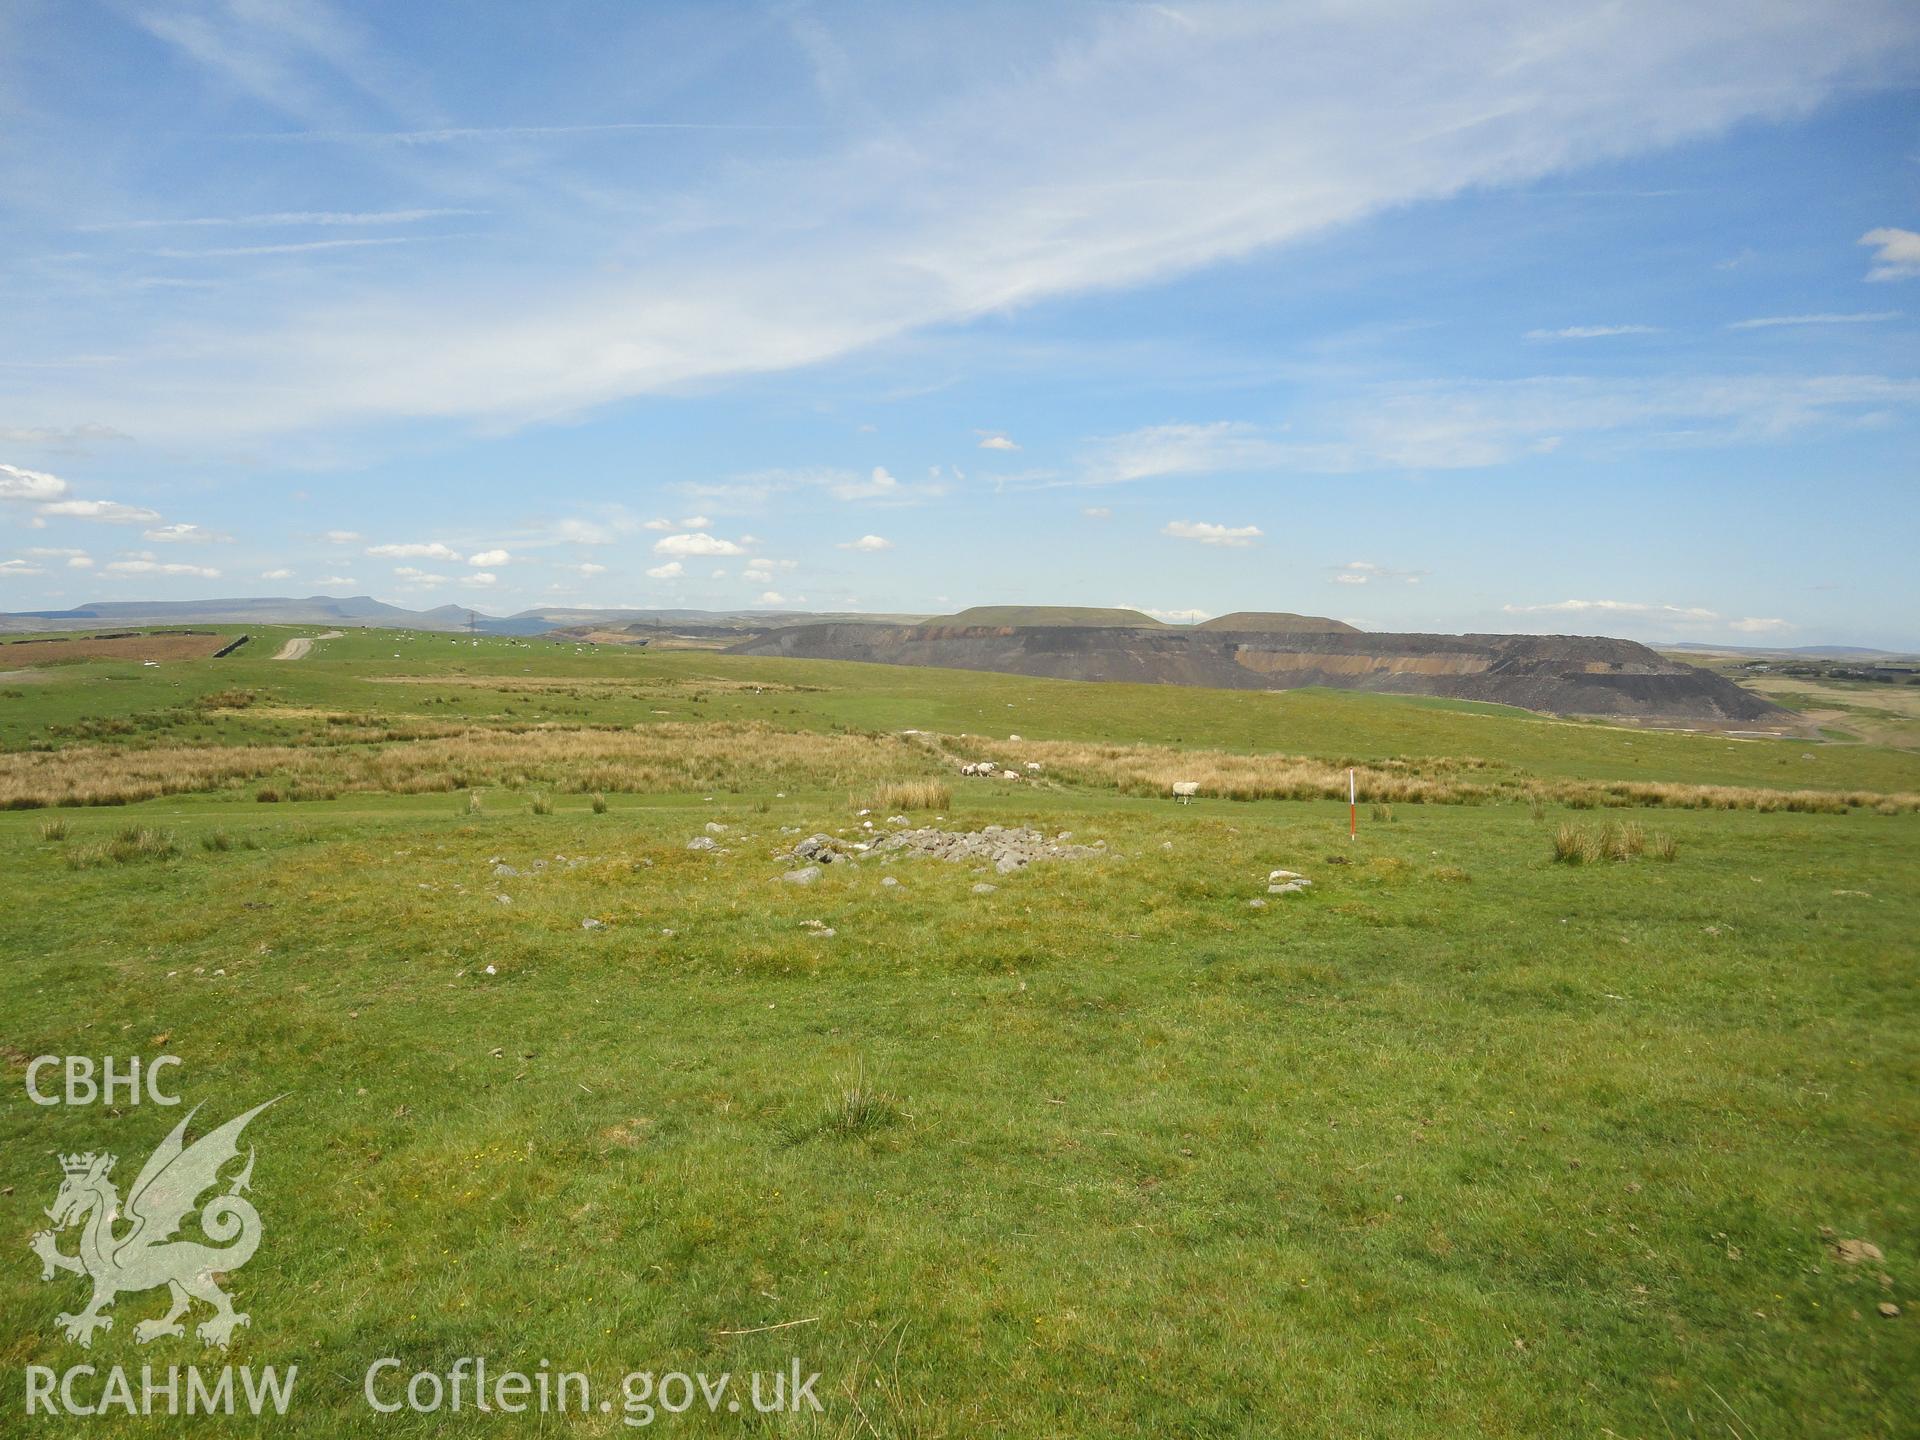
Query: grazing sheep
{"type": "Point", "coordinates": [1185, 790]}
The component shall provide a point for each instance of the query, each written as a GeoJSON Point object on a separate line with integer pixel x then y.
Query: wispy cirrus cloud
{"type": "Point", "coordinates": [292, 247]}
{"type": "Point", "coordinates": [1451, 425]}
{"type": "Point", "coordinates": [279, 218]}
{"type": "Point", "coordinates": [1592, 332]}
{"type": "Point", "coordinates": [1859, 317]}
{"type": "Point", "coordinates": [1171, 141]}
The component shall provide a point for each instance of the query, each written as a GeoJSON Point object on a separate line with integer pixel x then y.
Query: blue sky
{"type": "Point", "coordinates": [1426, 316]}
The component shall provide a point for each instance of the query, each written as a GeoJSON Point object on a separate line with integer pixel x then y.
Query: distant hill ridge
{"type": "Point", "coordinates": [1079, 615]}
{"type": "Point", "coordinates": [1277, 622]}
{"type": "Point", "coordinates": [1261, 650]}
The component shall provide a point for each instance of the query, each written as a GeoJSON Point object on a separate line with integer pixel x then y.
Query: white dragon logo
{"type": "Point", "coordinates": [164, 1194]}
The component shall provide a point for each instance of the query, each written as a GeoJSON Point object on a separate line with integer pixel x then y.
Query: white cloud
{"type": "Point", "coordinates": [80, 562]}
{"type": "Point", "coordinates": [657, 524]}
{"type": "Point", "coordinates": [110, 512]}
{"type": "Point", "coordinates": [1183, 449]}
{"type": "Point", "coordinates": [1173, 139]}
{"type": "Point", "coordinates": [1898, 253]}
{"type": "Point", "coordinates": [588, 532]}
{"type": "Point", "coordinates": [1173, 617]}
{"type": "Point", "coordinates": [53, 552]}
{"type": "Point", "coordinates": [156, 567]}
{"type": "Point", "coordinates": [695, 522]}
{"type": "Point", "coordinates": [699, 543]}
{"type": "Point", "coordinates": [1767, 322]}
{"type": "Point", "coordinates": [185, 535]}
{"type": "Point", "coordinates": [1630, 609]}
{"type": "Point", "coordinates": [489, 557]}
{"type": "Point", "coordinates": [672, 570]}
{"type": "Point", "coordinates": [1207, 533]}
{"type": "Point", "coordinates": [1097, 512]}
{"type": "Point", "coordinates": [1592, 332]}
{"type": "Point", "coordinates": [276, 574]}
{"type": "Point", "coordinates": [1362, 572]}
{"type": "Point", "coordinates": [343, 537]}
{"type": "Point", "coordinates": [281, 218]}
{"type": "Point", "coordinates": [772, 597]}
{"type": "Point", "coordinates": [1753, 625]}
{"type": "Point", "coordinates": [878, 485]}
{"type": "Point", "coordinates": [414, 550]}
{"type": "Point", "coordinates": [993, 440]}
{"type": "Point", "coordinates": [1433, 425]}
{"type": "Point", "coordinates": [586, 568]}
{"type": "Point", "coordinates": [867, 543]}
{"type": "Point", "coordinates": [20, 567]}
{"type": "Point", "coordinates": [481, 577]}
{"type": "Point", "coordinates": [32, 486]}
{"type": "Point", "coordinates": [419, 578]}
{"type": "Point", "coordinates": [327, 581]}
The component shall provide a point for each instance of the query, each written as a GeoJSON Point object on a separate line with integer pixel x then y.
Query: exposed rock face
{"type": "Point", "coordinates": [1563, 674]}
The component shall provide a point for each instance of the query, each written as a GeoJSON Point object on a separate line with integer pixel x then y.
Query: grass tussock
{"type": "Point", "coordinates": [909, 795]}
{"type": "Point", "coordinates": [599, 803]}
{"type": "Point", "coordinates": [541, 803]}
{"type": "Point", "coordinates": [1581, 845]}
{"type": "Point", "coordinates": [55, 829]}
{"type": "Point", "coordinates": [856, 1109]}
{"type": "Point", "coordinates": [859, 1108]}
{"type": "Point", "coordinates": [142, 842]}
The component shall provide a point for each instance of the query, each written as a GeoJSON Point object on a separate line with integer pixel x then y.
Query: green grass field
{"type": "Point", "coordinates": [1461, 1141]}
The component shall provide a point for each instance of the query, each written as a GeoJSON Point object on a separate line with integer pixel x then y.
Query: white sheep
{"type": "Point", "coordinates": [1185, 790]}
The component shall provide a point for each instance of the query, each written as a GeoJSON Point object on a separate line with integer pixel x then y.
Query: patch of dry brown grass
{"type": "Point", "coordinates": [1460, 780]}
{"type": "Point", "coordinates": [673, 757]}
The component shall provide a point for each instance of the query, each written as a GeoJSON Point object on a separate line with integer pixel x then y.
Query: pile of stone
{"type": "Point", "coordinates": [822, 849]}
{"type": "Point", "coordinates": [1286, 882]}
{"type": "Point", "coordinates": [1005, 849]}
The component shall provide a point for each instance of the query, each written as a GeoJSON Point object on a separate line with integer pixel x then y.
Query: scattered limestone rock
{"type": "Point", "coordinates": [700, 842]}
{"type": "Point", "coordinates": [1005, 849]}
{"type": "Point", "coordinates": [1889, 1310]}
{"type": "Point", "coordinates": [888, 881]}
{"type": "Point", "coordinates": [1854, 1251]}
{"type": "Point", "coordinates": [1256, 904]}
{"type": "Point", "coordinates": [805, 875]}
{"type": "Point", "coordinates": [592, 924]}
{"type": "Point", "coordinates": [983, 888]}
{"type": "Point", "coordinates": [505, 871]}
{"type": "Point", "coordinates": [714, 827]}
